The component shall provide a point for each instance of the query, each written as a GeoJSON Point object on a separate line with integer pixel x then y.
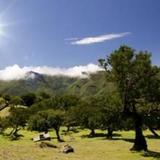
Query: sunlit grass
{"type": "Point", "coordinates": [5, 112]}
{"type": "Point", "coordinates": [98, 148]}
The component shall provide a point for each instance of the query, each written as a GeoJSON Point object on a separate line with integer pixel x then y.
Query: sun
{"type": "Point", "coordinates": [4, 24]}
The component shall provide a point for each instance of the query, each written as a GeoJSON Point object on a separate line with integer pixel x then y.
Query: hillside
{"type": "Point", "coordinates": [96, 84]}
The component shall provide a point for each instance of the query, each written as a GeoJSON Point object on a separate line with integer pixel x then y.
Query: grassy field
{"type": "Point", "coordinates": [98, 148]}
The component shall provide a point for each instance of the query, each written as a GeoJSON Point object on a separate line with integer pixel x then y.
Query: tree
{"type": "Point", "coordinates": [152, 121]}
{"type": "Point", "coordinates": [47, 119]}
{"type": "Point", "coordinates": [151, 117]}
{"type": "Point", "coordinates": [29, 99]}
{"type": "Point", "coordinates": [16, 120]}
{"type": "Point", "coordinates": [38, 123]}
{"type": "Point", "coordinates": [15, 100]}
{"type": "Point", "coordinates": [71, 117]}
{"type": "Point", "coordinates": [151, 107]}
{"type": "Point", "coordinates": [55, 120]}
{"type": "Point", "coordinates": [55, 103]}
{"type": "Point", "coordinates": [100, 112]}
{"type": "Point", "coordinates": [3, 125]}
{"type": "Point", "coordinates": [44, 95]}
{"type": "Point", "coordinates": [133, 74]}
{"type": "Point", "coordinates": [111, 117]}
{"type": "Point", "coordinates": [3, 103]}
{"type": "Point", "coordinates": [87, 115]}
{"type": "Point", "coordinates": [7, 97]}
{"type": "Point", "coordinates": [67, 101]}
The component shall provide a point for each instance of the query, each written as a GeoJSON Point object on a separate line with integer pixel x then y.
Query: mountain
{"type": "Point", "coordinates": [33, 75]}
{"type": "Point", "coordinates": [95, 84]}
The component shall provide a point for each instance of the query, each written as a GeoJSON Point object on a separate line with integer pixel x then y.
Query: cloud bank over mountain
{"type": "Point", "coordinates": [16, 72]}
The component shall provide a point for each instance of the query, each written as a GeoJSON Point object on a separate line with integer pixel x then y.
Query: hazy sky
{"type": "Point", "coordinates": [65, 33]}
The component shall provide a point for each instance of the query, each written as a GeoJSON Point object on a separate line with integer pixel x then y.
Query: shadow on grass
{"type": "Point", "coordinates": [55, 138]}
{"type": "Point", "coordinates": [152, 137]}
{"type": "Point", "coordinates": [13, 137]}
{"type": "Point", "coordinates": [64, 132]}
{"type": "Point", "coordinates": [151, 154]}
{"type": "Point", "coordinates": [128, 140]}
{"type": "Point", "coordinates": [115, 135]}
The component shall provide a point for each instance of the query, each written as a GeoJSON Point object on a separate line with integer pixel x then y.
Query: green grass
{"type": "Point", "coordinates": [5, 112]}
{"type": "Point", "coordinates": [85, 148]}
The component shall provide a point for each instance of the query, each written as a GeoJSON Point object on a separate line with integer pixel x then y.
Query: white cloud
{"type": "Point", "coordinates": [16, 72]}
{"type": "Point", "coordinates": [98, 39]}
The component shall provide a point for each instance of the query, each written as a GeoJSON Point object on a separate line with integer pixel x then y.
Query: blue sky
{"type": "Point", "coordinates": [37, 32]}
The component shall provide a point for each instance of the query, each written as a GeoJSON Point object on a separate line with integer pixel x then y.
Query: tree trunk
{"type": "Point", "coordinates": [140, 142]}
{"type": "Point", "coordinates": [58, 136]}
{"type": "Point", "coordinates": [14, 131]}
{"type": "Point", "coordinates": [92, 133]}
{"type": "Point", "coordinates": [11, 132]}
{"type": "Point", "coordinates": [14, 134]}
{"type": "Point", "coordinates": [153, 131]}
{"type": "Point", "coordinates": [68, 128]}
{"type": "Point", "coordinates": [110, 133]}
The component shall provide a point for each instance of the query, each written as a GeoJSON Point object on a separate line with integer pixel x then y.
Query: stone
{"type": "Point", "coordinates": [67, 149]}
{"type": "Point", "coordinates": [47, 144]}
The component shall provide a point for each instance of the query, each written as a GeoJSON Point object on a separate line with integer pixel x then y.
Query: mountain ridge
{"type": "Point", "coordinates": [95, 84]}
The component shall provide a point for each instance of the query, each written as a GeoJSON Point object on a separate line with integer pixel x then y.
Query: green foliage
{"type": "Point", "coordinates": [63, 102]}
{"type": "Point", "coordinates": [44, 95]}
{"type": "Point", "coordinates": [16, 100]}
{"type": "Point", "coordinates": [86, 114]}
{"type": "Point", "coordinates": [29, 99]}
{"type": "Point", "coordinates": [111, 112]}
{"type": "Point", "coordinates": [55, 118]}
{"type": "Point", "coordinates": [3, 125]}
{"type": "Point", "coordinates": [38, 123]}
{"type": "Point", "coordinates": [17, 117]}
{"type": "Point", "coordinates": [45, 120]}
{"type": "Point", "coordinates": [16, 120]}
{"type": "Point", "coordinates": [7, 97]}
{"type": "Point", "coordinates": [133, 74]}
